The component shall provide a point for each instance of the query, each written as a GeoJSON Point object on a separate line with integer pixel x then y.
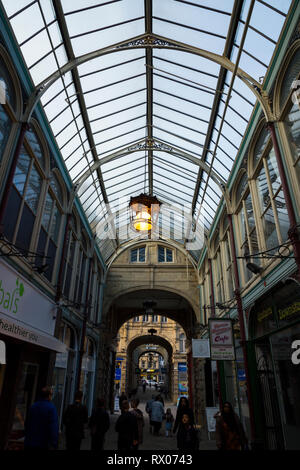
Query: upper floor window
{"type": "Point", "coordinates": [164, 319]}
{"type": "Point", "coordinates": [154, 318]}
{"type": "Point", "coordinates": [272, 206]}
{"type": "Point", "coordinates": [165, 255]}
{"type": "Point", "coordinates": [145, 318]}
{"type": "Point", "coordinates": [138, 255]}
{"type": "Point", "coordinates": [182, 342]}
{"type": "Point", "coordinates": [136, 319]}
{"type": "Point", "coordinates": [289, 109]}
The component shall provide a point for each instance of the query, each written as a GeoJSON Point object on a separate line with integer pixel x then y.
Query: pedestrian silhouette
{"type": "Point", "coordinates": [41, 426]}
{"type": "Point", "coordinates": [74, 419]}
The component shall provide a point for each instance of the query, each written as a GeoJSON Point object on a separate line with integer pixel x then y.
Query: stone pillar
{"type": "Point", "coordinates": [199, 389]}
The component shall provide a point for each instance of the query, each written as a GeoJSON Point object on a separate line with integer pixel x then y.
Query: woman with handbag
{"type": "Point", "coordinates": [230, 434]}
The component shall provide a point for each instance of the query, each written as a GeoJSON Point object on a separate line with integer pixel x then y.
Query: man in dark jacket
{"type": "Point", "coordinates": [74, 419]}
{"type": "Point", "coordinates": [122, 398]}
{"type": "Point", "coordinates": [127, 427]}
{"type": "Point", "coordinates": [41, 426]}
{"type": "Point", "coordinates": [99, 424]}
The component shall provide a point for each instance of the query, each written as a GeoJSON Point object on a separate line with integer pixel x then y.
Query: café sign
{"type": "Point", "coordinates": [221, 340]}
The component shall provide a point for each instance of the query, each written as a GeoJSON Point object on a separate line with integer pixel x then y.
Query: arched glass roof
{"type": "Point", "coordinates": [148, 96]}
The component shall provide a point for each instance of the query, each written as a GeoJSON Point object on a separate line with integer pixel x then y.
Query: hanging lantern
{"type": "Point", "coordinates": [144, 212]}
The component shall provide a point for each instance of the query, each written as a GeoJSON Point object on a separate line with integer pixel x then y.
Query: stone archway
{"type": "Point", "coordinates": [155, 340]}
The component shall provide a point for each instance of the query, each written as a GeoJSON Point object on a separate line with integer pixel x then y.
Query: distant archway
{"type": "Point", "coordinates": [141, 341]}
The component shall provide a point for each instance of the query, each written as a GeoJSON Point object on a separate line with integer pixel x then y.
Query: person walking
{"type": "Point", "coordinates": [127, 428]}
{"type": "Point", "coordinates": [169, 422]}
{"type": "Point", "coordinates": [74, 419]}
{"type": "Point", "coordinates": [157, 413]}
{"type": "Point", "coordinates": [183, 408]}
{"type": "Point", "coordinates": [161, 399]}
{"type": "Point", "coordinates": [99, 424]}
{"type": "Point", "coordinates": [140, 421]}
{"type": "Point", "coordinates": [41, 425]}
{"type": "Point", "coordinates": [230, 434]}
{"type": "Point", "coordinates": [122, 398]}
{"type": "Point", "coordinates": [148, 410]}
{"type": "Point", "coordinates": [187, 437]}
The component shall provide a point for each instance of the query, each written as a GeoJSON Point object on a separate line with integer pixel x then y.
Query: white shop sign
{"type": "Point", "coordinates": [20, 301]}
{"type": "Point", "coordinates": [87, 364]}
{"type": "Point", "coordinates": [221, 340]}
{"type": "Point", "coordinates": [200, 348]}
{"type": "Point", "coordinates": [25, 313]}
{"type": "Point", "coordinates": [61, 360]}
{"type": "Point", "coordinates": [2, 353]}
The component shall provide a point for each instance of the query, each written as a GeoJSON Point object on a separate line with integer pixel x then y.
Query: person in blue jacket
{"type": "Point", "coordinates": [41, 426]}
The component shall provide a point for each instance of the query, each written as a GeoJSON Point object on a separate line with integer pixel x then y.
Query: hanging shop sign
{"type": "Point", "coordinates": [200, 348]}
{"type": "Point", "coordinates": [221, 340]}
{"type": "Point", "coordinates": [2, 353]}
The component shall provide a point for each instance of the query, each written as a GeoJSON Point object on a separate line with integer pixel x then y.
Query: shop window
{"type": "Point", "coordinates": [290, 75]}
{"type": "Point", "coordinates": [228, 266]}
{"type": "Point", "coordinates": [5, 128]}
{"type": "Point", "coordinates": [50, 228]}
{"type": "Point", "coordinates": [7, 85]}
{"type": "Point", "coordinates": [165, 255]}
{"type": "Point", "coordinates": [248, 233]}
{"type": "Point", "coordinates": [24, 197]}
{"type": "Point", "coordinates": [273, 211]}
{"type": "Point", "coordinates": [137, 255]}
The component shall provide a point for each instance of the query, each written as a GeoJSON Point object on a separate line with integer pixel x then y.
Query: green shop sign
{"type": "Point", "coordinates": [9, 300]}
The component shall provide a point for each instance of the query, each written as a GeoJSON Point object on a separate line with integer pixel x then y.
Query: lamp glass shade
{"type": "Point", "coordinates": [144, 210]}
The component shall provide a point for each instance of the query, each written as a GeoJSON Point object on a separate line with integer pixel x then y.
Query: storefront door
{"type": "Point", "coordinates": [266, 377]}
{"type": "Point", "coordinates": [287, 376]}
{"type": "Point", "coordinates": [25, 397]}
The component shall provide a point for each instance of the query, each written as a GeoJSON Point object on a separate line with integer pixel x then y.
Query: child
{"type": "Point", "coordinates": [187, 438]}
{"type": "Point", "coordinates": [169, 422]}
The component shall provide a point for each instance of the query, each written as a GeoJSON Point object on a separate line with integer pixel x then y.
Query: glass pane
{"type": "Point", "coordinates": [263, 190]}
{"type": "Point", "coordinates": [5, 126]}
{"type": "Point", "coordinates": [169, 255]}
{"type": "Point", "coordinates": [161, 254]}
{"type": "Point", "coordinates": [269, 228]}
{"type": "Point", "coordinates": [260, 146]}
{"type": "Point", "coordinates": [133, 255]}
{"type": "Point", "coordinates": [47, 211]}
{"type": "Point", "coordinates": [142, 254]}
{"type": "Point", "coordinates": [55, 185]}
{"type": "Point", "coordinates": [21, 170]}
{"type": "Point", "coordinates": [291, 74]}
{"type": "Point", "coordinates": [7, 86]}
{"type": "Point", "coordinates": [55, 226]}
{"type": "Point", "coordinates": [241, 187]}
{"type": "Point", "coordinates": [282, 214]}
{"type": "Point", "coordinates": [273, 171]}
{"type": "Point", "coordinates": [33, 189]}
{"type": "Point", "coordinates": [36, 146]}
{"type": "Point", "coordinates": [292, 127]}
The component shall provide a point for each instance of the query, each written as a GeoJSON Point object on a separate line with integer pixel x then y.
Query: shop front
{"type": "Point", "coordinates": [27, 323]}
{"type": "Point", "coordinates": [64, 370]}
{"type": "Point", "coordinates": [274, 325]}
